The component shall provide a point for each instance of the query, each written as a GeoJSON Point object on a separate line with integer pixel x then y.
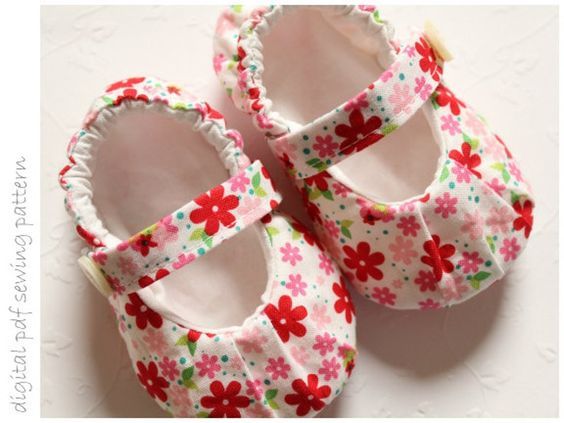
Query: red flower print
{"type": "Point", "coordinates": [444, 97]}
{"type": "Point", "coordinates": [384, 295]}
{"type": "Point", "coordinates": [426, 281]}
{"type": "Point", "coordinates": [130, 94]}
{"type": "Point", "coordinates": [437, 256]}
{"type": "Point", "coordinates": [358, 134]}
{"type": "Point", "coordinates": [143, 243]}
{"type": "Point", "coordinates": [466, 158]}
{"type": "Point", "coordinates": [308, 396]}
{"type": "Point", "coordinates": [147, 280]}
{"type": "Point", "coordinates": [308, 236]}
{"type": "Point", "coordinates": [372, 212]}
{"type": "Point", "coordinates": [364, 261]}
{"type": "Point", "coordinates": [225, 402]}
{"type": "Point", "coordinates": [125, 83]}
{"type": "Point", "coordinates": [344, 302]}
{"type": "Point", "coordinates": [150, 379]}
{"type": "Point", "coordinates": [143, 314]}
{"type": "Point", "coordinates": [525, 219]}
{"type": "Point", "coordinates": [428, 62]}
{"type": "Point", "coordinates": [214, 209]}
{"type": "Point", "coordinates": [408, 226]}
{"type": "Point", "coordinates": [319, 180]}
{"type": "Point", "coordinates": [312, 210]}
{"type": "Point", "coordinates": [285, 319]}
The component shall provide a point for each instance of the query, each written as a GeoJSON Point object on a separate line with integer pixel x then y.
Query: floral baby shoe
{"type": "Point", "coordinates": [437, 248]}
{"type": "Point", "coordinates": [291, 356]}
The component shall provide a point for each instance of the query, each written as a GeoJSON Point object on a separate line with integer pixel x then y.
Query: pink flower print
{"type": "Point", "coordinates": [409, 207]}
{"type": "Point", "coordinates": [397, 283]}
{"type": "Point", "coordinates": [254, 388]}
{"type": "Point", "coordinates": [494, 148]}
{"type": "Point", "coordinates": [218, 60]}
{"type": "Point", "coordinates": [168, 368]}
{"type": "Point", "coordinates": [296, 285]}
{"type": "Point", "coordinates": [367, 8]}
{"type": "Point", "coordinates": [515, 171]}
{"type": "Point", "coordinates": [462, 173]}
{"type": "Point", "coordinates": [426, 281]}
{"type": "Point", "coordinates": [324, 343]}
{"type": "Point", "coordinates": [384, 295]}
{"type": "Point", "coordinates": [236, 137]}
{"type": "Point", "coordinates": [180, 397]}
{"type": "Point", "coordinates": [250, 209]}
{"type": "Point", "coordinates": [340, 189]}
{"type": "Point", "coordinates": [278, 368]}
{"type": "Point", "coordinates": [510, 249]}
{"type": "Point", "coordinates": [358, 102]}
{"type": "Point", "coordinates": [446, 205]}
{"type": "Point", "coordinates": [283, 146]}
{"type": "Point", "coordinates": [453, 288]}
{"type": "Point", "coordinates": [330, 369]}
{"type": "Point", "coordinates": [470, 262]}
{"type": "Point", "coordinates": [325, 146]}
{"type": "Point", "coordinates": [299, 354]}
{"type": "Point", "coordinates": [325, 264]}
{"type": "Point", "coordinates": [242, 79]}
{"type": "Point", "coordinates": [403, 250]}
{"type": "Point", "coordinates": [331, 228]}
{"type": "Point", "coordinates": [450, 124]}
{"type": "Point", "coordinates": [165, 232]}
{"type": "Point", "coordinates": [99, 257]}
{"type": "Point", "coordinates": [208, 366]}
{"type": "Point", "coordinates": [290, 254]}
{"type": "Point", "coordinates": [155, 341]}
{"type": "Point", "coordinates": [263, 121]}
{"type": "Point", "coordinates": [239, 183]}
{"type": "Point", "coordinates": [116, 285]}
{"type": "Point", "coordinates": [236, 363]}
{"type": "Point", "coordinates": [496, 186]}
{"type": "Point", "coordinates": [319, 316]}
{"type": "Point", "coordinates": [428, 304]}
{"type": "Point", "coordinates": [473, 224]}
{"type": "Point", "coordinates": [475, 124]}
{"type": "Point", "coordinates": [183, 260]}
{"type": "Point", "coordinates": [389, 73]}
{"type": "Point", "coordinates": [408, 225]}
{"type": "Point", "coordinates": [252, 340]}
{"type": "Point", "coordinates": [401, 99]}
{"type": "Point", "coordinates": [258, 411]}
{"type": "Point", "coordinates": [422, 88]}
{"type": "Point", "coordinates": [499, 220]}
{"type": "Point", "coordinates": [410, 51]}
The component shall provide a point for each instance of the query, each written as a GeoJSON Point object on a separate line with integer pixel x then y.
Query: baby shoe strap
{"type": "Point", "coordinates": [183, 236]}
{"type": "Point", "coordinates": [365, 119]}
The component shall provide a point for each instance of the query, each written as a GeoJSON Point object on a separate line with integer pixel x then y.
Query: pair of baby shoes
{"type": "Point", "coordinates": [147, 147]}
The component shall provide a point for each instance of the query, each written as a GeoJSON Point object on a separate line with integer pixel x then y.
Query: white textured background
{"type": "Point", "coordinates": [493, 356]}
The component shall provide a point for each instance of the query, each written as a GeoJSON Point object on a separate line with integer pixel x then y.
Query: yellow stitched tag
{"type": "Point", "coordinates": [432, 35]}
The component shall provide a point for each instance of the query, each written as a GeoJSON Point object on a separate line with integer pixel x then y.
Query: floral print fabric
{"type": "Point", "coordinates": [435, 250]}
{"type": "Point", "coordinates": [291, 357]}
{"type": "Point", "coordinates": [181, 237]}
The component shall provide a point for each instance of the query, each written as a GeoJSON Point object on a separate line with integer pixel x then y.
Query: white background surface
{"type": "Point", "coordinates": [495, 355]}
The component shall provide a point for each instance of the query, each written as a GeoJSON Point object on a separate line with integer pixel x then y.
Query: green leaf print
{"type": "Point", "coordinates": [327, 195]}
{"type": "Point", "coordinates": [197, 234]}
{"type": "Point", "coordinates": [202, 414]}
{"type": "Point", "coordinates": [317, 164]}
{"type": "Point", "coordinates": [478, 278]}
{"type": "Point", "coordinates": [491, 243]}
{"type": "Point", "coordinates": [345, 225]}
{"type": "Point", "coordinates": [271, 394]}
{"type": "Point", "coordinates": [183, 340]}
{"type": "Point", "coordinates": [256, 180]}
{"type": "Point", "coordinates": [444, 174]}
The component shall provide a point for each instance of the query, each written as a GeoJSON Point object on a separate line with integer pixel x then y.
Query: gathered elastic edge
{"type": "Point", "coordinates": [250, 67]}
